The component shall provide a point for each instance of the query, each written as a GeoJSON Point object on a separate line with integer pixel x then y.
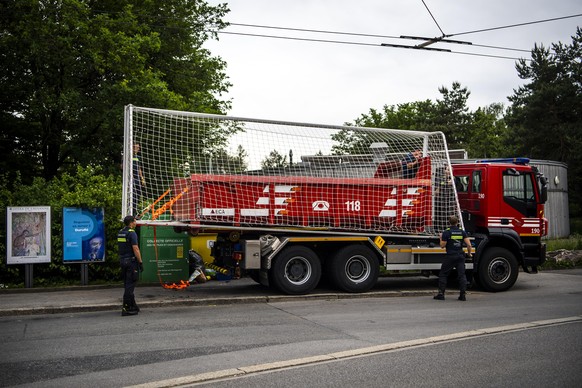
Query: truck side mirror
{"type": "Point", "coordinates": [544, 190]}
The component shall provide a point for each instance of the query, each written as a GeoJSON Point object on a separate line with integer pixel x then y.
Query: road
{"type": "Point", "coordinates": [530, 335]}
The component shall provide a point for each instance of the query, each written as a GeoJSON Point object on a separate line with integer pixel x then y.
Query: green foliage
{"type": "Point", "coordinates": [546, 113]}
{"type": "Point", "coordinates": [488, 133]}
{"type": "Point", "coordinates": [274, 160]}
{"type": "Point", "coordinates": [452, 116]}
{"type": "Point", "coordinates": [223, 163]}
{"type": "Point", "coordinates": [572, 243]}
{"type": "Point", "coordinates": [415, 115]}
{"type": "Point", "coordinates": [481, 133]}
{"type": "Point", "coordinates": [87, 188]}
{"type": "Point", "coordinates": [68, 68]}
{"type": "Point", "coordinates": [575, 225]}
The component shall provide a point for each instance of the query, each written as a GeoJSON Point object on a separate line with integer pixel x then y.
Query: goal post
{"type": "Point", "coordinates": [214, 171]}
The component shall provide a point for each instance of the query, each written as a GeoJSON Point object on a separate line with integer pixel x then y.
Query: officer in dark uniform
{"type": "Point", "coordinates": [452, 239]}
{"type": "Point", "coordinates": [131, 264]}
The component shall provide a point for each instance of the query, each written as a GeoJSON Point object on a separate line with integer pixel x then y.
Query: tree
{"type": "Point", "coordinates": [417, 115]}
{"type": "Point", "coordinates": [488, 133]}
{"type": "Point", "coordinates": [449, 115]}
{"type": "Point", "coordinates": [452, 116]}
{"type": "Point", "coordinates": [546, 113]}
{"type": "Point", "coordinates": [274, 160]}
{"type": "Point", "coordinates": [68, 67]}
{"type": "Point", "coordinates": [223, 163]}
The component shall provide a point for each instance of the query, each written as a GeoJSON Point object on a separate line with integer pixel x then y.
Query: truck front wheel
{"type": "Point", "coordinates": [354, 268]}
{"type": "Point", "coordinates": [497, 270]}
{"type": "Point", "coordinates": [296, 270]}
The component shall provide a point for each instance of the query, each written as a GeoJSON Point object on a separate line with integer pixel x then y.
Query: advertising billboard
{"type": "Point", "coordinates": [28, 235]}
{"type": "Point", "coordinates": [83, 235]}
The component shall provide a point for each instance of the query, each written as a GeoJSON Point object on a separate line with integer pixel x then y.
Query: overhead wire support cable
{"type": "Point", "coordinates": [373, 35]}
{"type": "Point", "coordinates": [437, 39]}
{"type": "Point", "coordinates": [515, 25]}
{"type": "Point", "coordinates": [433, 18]}
{"type": "Point", "coordinates": [367, 44]}
{"type": "Point", "coordinates": [299, 39]}
{"type": "Point", "coordinates": [315, 31]}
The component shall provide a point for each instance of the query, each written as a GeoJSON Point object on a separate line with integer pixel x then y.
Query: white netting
{"type": "Point", "coordinates": [220, 172]}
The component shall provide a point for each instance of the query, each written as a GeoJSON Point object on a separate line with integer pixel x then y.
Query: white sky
{"type": "Point", "coordinates": [329, 83]}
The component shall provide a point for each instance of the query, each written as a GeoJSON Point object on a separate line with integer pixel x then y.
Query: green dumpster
{"type": "Point", "coordinates": [164, 252]}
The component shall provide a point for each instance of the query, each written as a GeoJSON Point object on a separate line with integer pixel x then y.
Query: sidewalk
{"type": "Point", "coordinates": [108, 298]}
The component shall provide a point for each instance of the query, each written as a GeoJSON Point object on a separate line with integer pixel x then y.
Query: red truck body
{"type": "Point", "coordinates": [389, 217]}
{"type": "Point", "coordinates": [374, 204]}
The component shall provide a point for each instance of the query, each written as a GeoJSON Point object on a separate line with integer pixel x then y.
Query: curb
{"type": "Point", "coordinates": [209, 302]}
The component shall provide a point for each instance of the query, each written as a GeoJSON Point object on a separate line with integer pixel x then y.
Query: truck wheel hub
{"type": "Point", "coordinates": [357, 269]}
{"type": "Point", "coordinates": [298, 271]}
{"type": "Point", "coordinates": [499, 269]}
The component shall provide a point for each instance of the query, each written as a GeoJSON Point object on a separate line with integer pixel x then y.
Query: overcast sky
{"type": "Point", "coordinates": [332, 83]}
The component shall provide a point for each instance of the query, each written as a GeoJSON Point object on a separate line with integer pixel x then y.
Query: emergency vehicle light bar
{"type": "Point", "coordinates": [523, 161]}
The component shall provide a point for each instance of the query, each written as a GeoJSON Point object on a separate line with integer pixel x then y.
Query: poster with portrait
{"type": "Point", "coordinates": [83, 235]}
{"type": "Point", "coordinates": [28, 235]}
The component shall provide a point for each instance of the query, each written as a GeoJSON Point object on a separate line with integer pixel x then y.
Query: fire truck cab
{"type": "Point", "coordinates": [502, 202]}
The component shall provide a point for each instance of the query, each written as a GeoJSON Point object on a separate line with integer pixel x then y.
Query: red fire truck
{"type": "Point", "coordinates": [291, 231]}
{"type": "Point", "coordinates": [359, 199]}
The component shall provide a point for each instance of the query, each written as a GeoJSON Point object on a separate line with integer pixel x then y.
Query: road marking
{"type": "Point", "coordinates": [244, 370]}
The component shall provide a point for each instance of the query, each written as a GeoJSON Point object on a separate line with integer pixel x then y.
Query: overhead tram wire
{"type": "Point", "coordinates": [395, 37]}
{"type": "Point", "coordinates": [367, 44]}
{"type": "Point", "coordinates": [515, 25]}
{"type": "Point", "coordinates": [334, 33]}
{"type": "Point", "coordinates": [315, 31]}
{"type": "Point", "coordinates": [299, 39]}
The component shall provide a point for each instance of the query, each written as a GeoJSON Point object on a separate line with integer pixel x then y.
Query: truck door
{"type": "Point", "coordinates": [519, 193]}
{"type": "Point", "coordinates": [470, 185]}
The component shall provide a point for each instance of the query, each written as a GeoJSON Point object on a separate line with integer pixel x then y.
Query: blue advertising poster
{"type": "Point", "coordinates": [83, 235]}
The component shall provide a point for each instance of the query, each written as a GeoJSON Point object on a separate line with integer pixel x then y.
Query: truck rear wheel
{"type": "Point", "coordinates": [296, 270]}
{"type": "Point", "coordinates": [498, 270]}
{"type": "Point", "coordinates": [354, 268]}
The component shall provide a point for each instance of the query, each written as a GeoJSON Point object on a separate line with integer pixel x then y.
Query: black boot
{"type": "Point", "coordinates": [440, 295]}
{"type": "Point", "coordinates": [134, 305]}
{"type": "Point", "coordinates": [462, 296]}
{"type": "Point", "coordinates": [127, 310]}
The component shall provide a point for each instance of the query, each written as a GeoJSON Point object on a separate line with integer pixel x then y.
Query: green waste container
{"type": "Point", "coordinates": [171, 260]}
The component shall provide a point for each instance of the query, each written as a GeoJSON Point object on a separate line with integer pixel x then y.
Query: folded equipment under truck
{"type": "Point", "coordinates": [336, 216]}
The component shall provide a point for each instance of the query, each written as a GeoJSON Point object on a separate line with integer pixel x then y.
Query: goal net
{"type": "Point", "coordinates": [213, 172]}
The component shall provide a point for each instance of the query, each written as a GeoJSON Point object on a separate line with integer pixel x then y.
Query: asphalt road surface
{"type": "Point", "coordinates": [528, 336]}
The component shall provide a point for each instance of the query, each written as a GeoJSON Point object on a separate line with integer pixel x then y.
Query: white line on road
{"type": "Point", "coordinates": [245, 370]}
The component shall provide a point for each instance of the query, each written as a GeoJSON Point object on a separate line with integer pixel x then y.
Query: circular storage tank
{"type": "Point", "coordinates": [556, 208]}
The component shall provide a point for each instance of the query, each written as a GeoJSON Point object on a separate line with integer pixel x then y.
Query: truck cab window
{"type": "Point", "coordinates": [476, 181]}
{"type": "Point", "coordinates": [518, 192]}
{"type": "Point", "coordinates": [462, 183]}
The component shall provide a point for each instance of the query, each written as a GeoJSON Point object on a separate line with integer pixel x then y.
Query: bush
{"type": "Point", "coordinates": [572, 243]}
{"type": "Point", "coordinates": [87, 188]}
{"type": "Point", "coordinates": [576, 225]}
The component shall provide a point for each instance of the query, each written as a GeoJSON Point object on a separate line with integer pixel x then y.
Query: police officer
{"type": "Point", "coordinates": [131, 263]}
{"type": "Point", "coordinates": [452, 239]}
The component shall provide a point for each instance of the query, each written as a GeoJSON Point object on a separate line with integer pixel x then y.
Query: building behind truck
{"type": "Point", "coordinates": [343, 211]}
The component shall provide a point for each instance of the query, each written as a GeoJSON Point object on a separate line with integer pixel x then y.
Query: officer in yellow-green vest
{"type": "Point", "coordinates": [452, 239]}
{"type": "Point", "coordinates": [131, 264]}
